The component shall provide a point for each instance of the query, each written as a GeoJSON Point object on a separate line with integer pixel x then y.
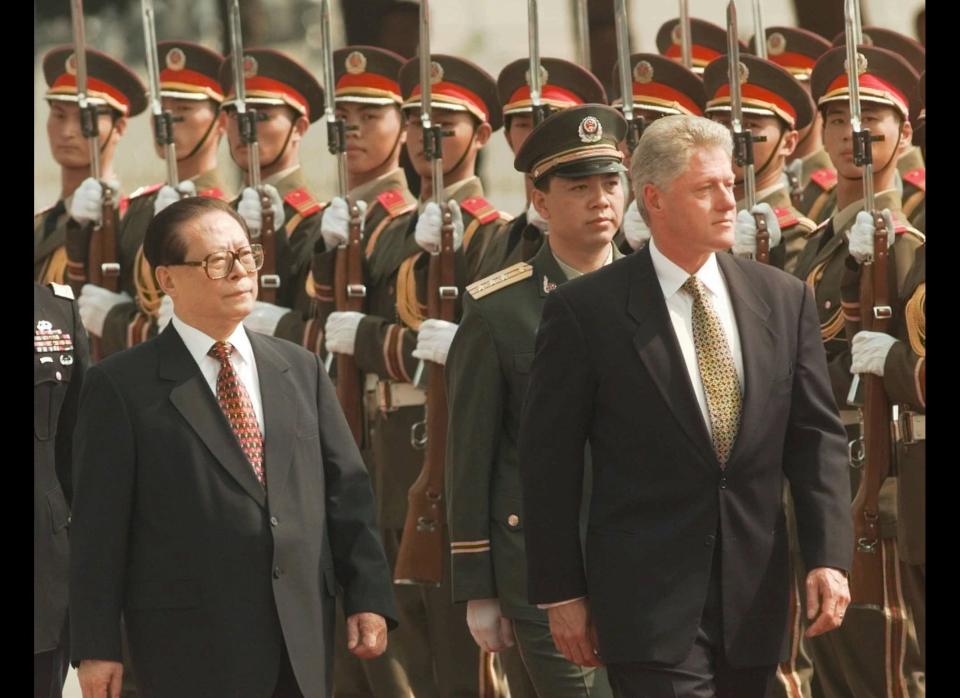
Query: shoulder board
{"type": "Point", "coordinates": [123, 205]}
{"type": "Point", "coordinates": [907, 229]}
{"type": "Point", "coordinates": [62, 290]}
{"type": "Point", "coordinates": [502, 279]}
{"type": "Point", "coordinates": [786, 217]}
{"type": "Point", "coordinates": [826, 178]}
{"type": "Point", "coordinates": [213, 193]}
{"type": "Point", "coordinates": [395, 203]}
{"type": "Point", "coordinates": [480, 208]}
{"type": "Point", "coordinates": [143, 191]}
{"type": "Point", "coordinates": [303, 202]}
{"type": "Point", "coordinates": [917, 178]}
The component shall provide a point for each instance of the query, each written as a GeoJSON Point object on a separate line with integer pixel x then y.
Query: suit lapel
{"type": "Point", "coordinates": [196, 402]}
{"type": "Point", "coordinates": [656, 342]}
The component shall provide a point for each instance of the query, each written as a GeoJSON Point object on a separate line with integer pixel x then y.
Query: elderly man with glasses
{"type": "Point", "coordinates": [219, 496]}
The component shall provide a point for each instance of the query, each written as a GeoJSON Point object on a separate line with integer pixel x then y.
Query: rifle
{"type": "Point", "coordinates": [634, 125]}
{"type": "Point", "coordinates": [535, 76]}
{"type": "Point", "coordinates": [743, 139]}
{"type": "Point", "coordinates": [873, 458]}
{"type": "Point", "coordinates": [349, 289]}
{"type": "Point", "coordinates": [760, 35]}
{"type": "Point", "coordinates": [686, 37]}
{"type": "Point", "coordinates": [247, 124]}
{"type": "Point", "coordinates": [162, 120]}
{"type": "Point", "coordinates": [420, 558]}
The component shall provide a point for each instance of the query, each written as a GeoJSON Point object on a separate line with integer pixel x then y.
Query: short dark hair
{"type": "Point", "coordinates": [163, 244]}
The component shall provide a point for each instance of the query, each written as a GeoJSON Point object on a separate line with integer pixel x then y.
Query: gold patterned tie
{"type": "Point", "coordinates": [717, 371]}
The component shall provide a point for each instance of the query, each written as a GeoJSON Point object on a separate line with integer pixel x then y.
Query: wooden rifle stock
{"type": "Point", "coordinates": [420, 558]}
{"type": "Point", "coordinates": [102, 266]}
{"type": "Point", "coordinates": [269, 281]}
{"type": "Point", "coordinates": [866, 574]}
{"type": "Point", "coordinates": [763, 240]}
{"type": "Point", "coordinates": [349, 293]}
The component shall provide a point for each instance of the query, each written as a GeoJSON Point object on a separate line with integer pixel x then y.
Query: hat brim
{"type": "Point", "coordinates": [586, 168]}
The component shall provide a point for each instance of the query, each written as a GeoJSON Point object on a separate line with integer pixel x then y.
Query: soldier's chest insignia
{"type": "Point", "coordinates": [48, 339]}
{"type": "Point", "coordinates": [548, 285]}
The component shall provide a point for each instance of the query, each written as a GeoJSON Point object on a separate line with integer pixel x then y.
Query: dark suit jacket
{"type": "Point", "coordinates": [171, 528]}
{"type": "Point", "coordinates": [608, 370]}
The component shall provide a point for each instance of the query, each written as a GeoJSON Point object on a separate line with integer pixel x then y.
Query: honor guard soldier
{"type": "Point", "coordinates": [707, 42]}
{"type": "Point", "coordinates": [60, 358]}
{"type": "Point", "coordinates": [856, 659]}
{"type": "Point", "coordinates": [661, 87]}
{"type": "Point", "coordinates": [190, 90]}
{"type": "Point", "coordinates": [118, 95]}
{"type": "Point", "coordinates": [576, 167]}
{"type": "Point", "coordinates": [797, 50]}
{"type": "Point", "coordinates": [775, 109]}
{"type": "Point", "coordinates": [911, 169]}
{"type": "Point", "coordinates": [287, 99]}
{"type": "Point", "coordinates": [564, 85]}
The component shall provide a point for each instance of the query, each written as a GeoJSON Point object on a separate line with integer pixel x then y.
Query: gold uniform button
{"type": "Point", "coordinates": [513, 520]}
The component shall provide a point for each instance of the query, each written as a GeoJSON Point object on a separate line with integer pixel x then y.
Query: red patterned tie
{"type": "Point", "coordinates": [236, 405]}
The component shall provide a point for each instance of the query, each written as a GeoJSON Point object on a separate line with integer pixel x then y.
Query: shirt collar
{"type": "Point", "coordinates": [275, 178]}
{"type": "Point", "coordinates": [672, 277]}
{"type": "Point", "coordinates": [198, 343]}
{"type": "Point", "coordinates": [572, 272]}
{"type": "Point", "coordinates": [450, 192]}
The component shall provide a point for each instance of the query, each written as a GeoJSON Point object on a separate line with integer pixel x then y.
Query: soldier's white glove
{"type": "Point", "coordinates": [335, 226]}
{"type": "Point", "coordinates": [264, 317]}
{"type": "Point", "coordinates": [249, 208]}
{"type": "Point", "coordinates": [635, 229]}
{"type": "Point", "coordinates": [434, 339]}
{"type": "Point", "coordinates": [745, 230]}
{"type": "Point", "coordinates": [87, 203]}
{"type": "Point", "coordinates": [868, 352]}
{"type": "Point", "coordinates": [341, 332]}
{"type": "Point", "coordinates": [168, 195]}
{"type": "Point", "coordinates": [536, 220]}
{"type": "Point", "coordinates": [861, 235]}
{"type": "Point", "coordinates": [427, 232]}
{"type": "Point", "coordinates": [95, 303]}
{"type": "Point", "coordinates": [490, 629]}
{"type": "Point", "coordinates": [165, 313]}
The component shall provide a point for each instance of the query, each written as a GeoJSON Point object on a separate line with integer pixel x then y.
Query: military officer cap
{"type": "Point", "coordinates": [456, 85]}
{"type": "Point", "coordinates": [109, 82]}
{"type": "Point", "coordinates": [273, 78]}
{"type": "Point", "coordinates": [189, 71]}
{"type": "Point", "coordinates": [661, 84]}
{"type": "Point", "coordinates": [577, 142]}
{"type": "Point", "coordinates": [562, 85]}
{"type": "Point", "coordinates": [796, 50]}
{"type": "Point", "coordinates": [707, 41]}
{"type": "Point", "coordinates": [910, 49]}
{"type": "Point", "coordinates": [367, 75]}
{"type": "Point", "coordinates": [765, 89]}
{"type": "Point", "coordinates": [884, 78]}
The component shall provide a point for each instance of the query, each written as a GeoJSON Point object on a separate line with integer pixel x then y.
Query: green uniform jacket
{"type": "Point", "coordinates": [516, 241]}
{"type": "Point", "coordinates": [481, 225]}
{"type": "Point", "coordinates": [819, 197]}
{"type": "Point", "coordinates": [913, 176]}
{"type": "Point", "coordinates": [794, 226]}
{"type": "Point", "coordinates": [487, 372]}
{"type": "Point", "coordinates": [798, 176]}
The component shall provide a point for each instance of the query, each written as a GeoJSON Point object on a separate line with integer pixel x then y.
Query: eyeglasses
{"type": "Point", "coordinates": [218, 265]}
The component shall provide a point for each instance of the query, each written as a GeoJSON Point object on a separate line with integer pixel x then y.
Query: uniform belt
{"type": "Point", "coordinates": [849, 417]}
{"type": "Point", "coordinates": [391, 395]}
{"type": "Point", "coordinates": [911, 427]}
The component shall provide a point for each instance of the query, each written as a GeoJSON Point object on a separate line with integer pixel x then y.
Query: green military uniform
{"type": "Point", "coordinates": [913, 178]}
{"type": "Point", "coordinates": [49, 238]}
{"type": "Point", "coordinates": [819, 199]}
{"type": "Point", "coordinates": [794, 226]}
{"type": "Point", "coordinates": [799, 173]}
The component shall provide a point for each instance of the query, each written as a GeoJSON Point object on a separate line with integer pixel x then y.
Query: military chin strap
{"type": "Point", "coordinates": [286, 142]}
{"type": "Point", "coordinates": [890, 160]}
{"type": "Point", "coordinates": [393, 149]}
{"type": "Point", "coordinates": [466, 151]}
{"type": "Point", "coordinates": [766, 163]}
{"type": "Point", "coordinates": [206, 134]}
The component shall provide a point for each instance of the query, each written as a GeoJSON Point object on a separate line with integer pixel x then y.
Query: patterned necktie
{"type": "Point", "coordinates": [238, 409]}
{"type": "Point", "coordinates": [717, 371]}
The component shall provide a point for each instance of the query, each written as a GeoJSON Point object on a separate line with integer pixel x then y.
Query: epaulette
{"type": "Point", "coordinates": [394, 203]}
{"type": "Point", "coordinates": [501, 279]}
{"type": "Point", "coordinates": [917, 178]}
{"type": "Point", "coordinates": [480, 208]}
{"type": "Point", "coordinates": [213, 193]}
{"type": "Point", "coordinates": [303, 202]}
{"type": "Point", "coordinates": [786, 217]}
{"type": "Point", "coordinates": [62, 290]}
{"type": "Point", "coordinates": [825, 178]}
{"type": "Point", "coordinates": [143, 191]}
{"type": "Point", "coordinates": [123, 205]}
{"type": "Point", "coordinates": [904, 228]}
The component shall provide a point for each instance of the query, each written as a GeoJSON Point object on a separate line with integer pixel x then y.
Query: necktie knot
{"type": "Point", "coordinates": [221, 351]}
{"type": "Point", "coordinates": [694, 287]}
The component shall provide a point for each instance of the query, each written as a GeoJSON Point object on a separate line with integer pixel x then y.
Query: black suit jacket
{"type": "Point", "coordinates": [171, 527]}
{"type": "Point", "coordinates": [608, 370]}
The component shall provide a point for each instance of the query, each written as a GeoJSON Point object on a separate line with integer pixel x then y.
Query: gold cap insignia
{"type": "Point", "coordinates": [249, 66]}
{"type": "Point", "coordinates": [643, 72]}
{"type": "Point", "coordinates": [355, 63]}
{"type": "Point", "coordinates": [590, 130]}
{"type": "Point", "coordinates": [776, 44]}
{"type": "Point", "coordinates": [436, 73]}
{"type": "Point", "coordinates": [176, 59]}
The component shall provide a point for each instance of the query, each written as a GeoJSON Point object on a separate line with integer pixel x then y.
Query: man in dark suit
{"type": "Point", "coordinates": [219, 496]}
{"type": "Point", "coordinates": [699, 381]}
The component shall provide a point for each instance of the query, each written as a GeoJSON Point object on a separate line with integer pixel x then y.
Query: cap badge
{"type": "Point", "coordinates": [865, 39]}
{"type": "Point", "coordinates": [544, 76]}
{"type": "Point", "coordinates": [66, 359]}
{"type": "Point", "coordinates": [677, 34]}
{"type": "Point", "coordinates": [44, 326]}
{"type": "Point", "coordinates": [643, 72]}
{"type": "Point", "coordinates": [436, 73]}
{"type": "Point", "coordinates": [776, 43]}
{"type": "Point", "coordinates": [590, 130]}
{"type": "Point", "coordinates": [249, 66]}
{"type": "Point", "coordinates": [70, 65]}
{"type": "Point", "coordinates": [356, 63]}
{"type": "Point", "coordinates": [861, 64]}
{"type": "Point", "coordinates": [743, 71]}
{"type": "Point", "coordinates": [176, 59]}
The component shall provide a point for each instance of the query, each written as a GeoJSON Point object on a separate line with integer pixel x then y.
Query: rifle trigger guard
{"type": "Point", "coordinates": [856, 453]}
{"type": "Point", "coordinates": [418, 435]}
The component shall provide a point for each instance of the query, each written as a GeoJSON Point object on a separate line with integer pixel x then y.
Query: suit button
{"type": "Point", "coordinates": [708, 541]}
{"type": "Point", "coordinates": [273, 521]}
{"type": "Point", "coordinates": [277, 572]}
{"type": "Point", "coordinates": [723, 482]}
{"type": "Point", "coordinates": [513, 521]}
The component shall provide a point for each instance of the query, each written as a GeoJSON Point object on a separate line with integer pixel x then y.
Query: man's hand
{"type": "Point", "coordinates": [164, 313]}
{"type": "Point", "coordinates": [87, 203]}
{"type": "Point", "coordinates": [573, 632]}
{"type": "Point", "coordinates": [745, 229]}
{"type": "Point", "coordinates": [95, 303]}
{"type": "Point", "coordinates": [340, 331]}
{"type": "Point", "coordinates": [434, 339]}
{"type": "Point", "coordinates": [99, 678]}
{"type": "Point", "coordinates": [430, 222]}
{"type": "Point", "coordinates": [868, 351]}
{"type": "Point", "coordinates": [366, 635]}
{"type": "Point", "coordinates": [169, 195]}
{"type": "Point", "coordinates": [490, 629]}
{"type": "Point", "coordinates": [264, 317]}
{"type": "Point", "coordinates": [828, 593]}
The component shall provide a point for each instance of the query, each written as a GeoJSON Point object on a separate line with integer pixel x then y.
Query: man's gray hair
{"type": "Point", "coordinates": [665, 149]}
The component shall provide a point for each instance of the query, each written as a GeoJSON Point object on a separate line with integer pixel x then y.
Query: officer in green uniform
{"type": "Point", "coordinates": [661, 87]}
{"type": "Point", "coordinates": [874, 652]}
{"type": "Point", "coordinates": [190, 91]}
{"type": "Point", "coordinates": [118, 95]}
{"type": "Point", "coordinates": [775, 109]}
{"type": "Point", "coordinates": [565, 85]}
{"type": "Point", "coordinates": [574, 162]}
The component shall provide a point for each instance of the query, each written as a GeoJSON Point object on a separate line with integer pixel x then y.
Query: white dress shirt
{"type": "Point", "coordinates": [198, 344]}
{"type": "Point", "coordinates": [680, 306]}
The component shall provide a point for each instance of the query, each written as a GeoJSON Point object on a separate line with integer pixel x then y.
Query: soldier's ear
{"type": "Point", "coordinates": [483, 134]}
{"type": "Point", "coordinates": [789, 142]}
{"type": "Point", "coordinates": [539, 200]}
{"type": "Point", "coordinates": [906, 136]}
{"type": "Point", "coordinates": [120, 126]}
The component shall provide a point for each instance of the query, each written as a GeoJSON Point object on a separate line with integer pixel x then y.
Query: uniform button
{"type": "Point", "coordinates": [708, 541]}
{"type": "Point", "coordinates": [827, 305]}
{"type": "Point", "coordinates": [273, 521]}
{"type": "Point", "coordinates": [59, 375]}
{"type": "Point", "coordinates": [69, 519]}
{"type": "Point", "coordinates": [723, 482]}
{"type": "Point", "coordinates": [513, 520]}
{"type": "Point", "coordinates": [277, 572]}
